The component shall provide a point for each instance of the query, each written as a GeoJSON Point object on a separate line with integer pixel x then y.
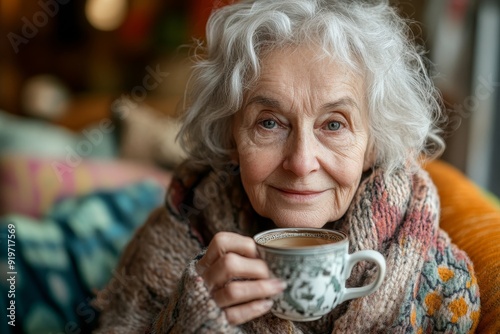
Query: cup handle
{"type": "Point", "coordinates": [364, 255]}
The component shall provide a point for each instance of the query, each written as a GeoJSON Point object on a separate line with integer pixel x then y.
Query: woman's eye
{"type": "Point", "coordinates": [268, 124]}
{"type": "Point", "coordinates": [334, 126]}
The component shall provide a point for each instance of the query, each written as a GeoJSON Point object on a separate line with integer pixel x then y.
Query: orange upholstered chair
{"type": "Point", "coordinates": [473, 223]}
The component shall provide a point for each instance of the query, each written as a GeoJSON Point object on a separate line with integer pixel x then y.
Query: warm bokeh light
{"type": "Point", "coordinates": [8, 11]}
{"type": "Point", "coordinates": [106, 14]}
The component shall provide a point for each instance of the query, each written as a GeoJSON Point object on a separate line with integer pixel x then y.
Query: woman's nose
{"type": "Point", "coordinates": [301, 156]}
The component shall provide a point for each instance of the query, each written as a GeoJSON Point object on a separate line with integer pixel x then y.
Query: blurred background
{"type": "Point", "coordinates": [91, 51]}
{"type": "Point", "coordinates": [88, 96]}
{"type": "Point", "coordinates": [66, 61]}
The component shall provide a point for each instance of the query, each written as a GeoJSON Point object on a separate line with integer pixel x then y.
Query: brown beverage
{"type": "Point", "coordinates": [287, 242]}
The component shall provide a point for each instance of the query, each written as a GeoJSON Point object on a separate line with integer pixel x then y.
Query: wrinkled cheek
{"type": "Point", "coordinates": [255, 168]}
{"type": "Point", "coordinates": [257, 163]}
{"type": "Point", "coordinates": [253, 171]}
{"type": "Point", "coordinates": [348, 172]}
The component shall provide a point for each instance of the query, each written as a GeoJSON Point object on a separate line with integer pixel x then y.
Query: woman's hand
{"type": "Point", "coordinates": [239, 281]}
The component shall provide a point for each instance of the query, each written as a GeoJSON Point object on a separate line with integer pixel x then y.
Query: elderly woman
{"type": "Point", "coordinates": [303, 113]}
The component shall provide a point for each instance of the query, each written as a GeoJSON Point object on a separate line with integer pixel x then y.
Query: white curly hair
{"type": "Point", "coordinates": [368, 36]}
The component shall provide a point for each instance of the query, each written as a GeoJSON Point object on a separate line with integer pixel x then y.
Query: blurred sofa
{"type": "Point", "coordinates": [472, 219]}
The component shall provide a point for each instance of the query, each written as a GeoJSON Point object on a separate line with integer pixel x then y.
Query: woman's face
{"type": "Point", "coordinates": [301, 138]}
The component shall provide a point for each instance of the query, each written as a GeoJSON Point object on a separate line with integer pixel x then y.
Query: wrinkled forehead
{"type": "Point", "coordinates": [322, 45]}
{"type": "Point", "coordinates": [316, 56]}
{"type": "Point", "coordinates": [290, 64]}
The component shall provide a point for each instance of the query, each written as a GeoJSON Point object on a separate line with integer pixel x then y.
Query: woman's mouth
{"type": "Point", "coordinates": [299, 195]}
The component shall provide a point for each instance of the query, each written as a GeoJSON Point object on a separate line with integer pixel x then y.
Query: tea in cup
{"type": "Point", "coordinates": [315, 264]}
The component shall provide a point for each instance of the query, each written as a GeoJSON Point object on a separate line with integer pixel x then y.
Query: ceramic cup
{"type": "Point", "coordinates": [315, 263]}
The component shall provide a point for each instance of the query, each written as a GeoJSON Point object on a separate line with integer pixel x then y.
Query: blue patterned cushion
{"type": "Point", "coordinates": [61, 259]}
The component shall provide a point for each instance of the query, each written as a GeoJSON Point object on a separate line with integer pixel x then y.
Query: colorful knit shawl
{"type": "Point", "coordinates": [429, 287]}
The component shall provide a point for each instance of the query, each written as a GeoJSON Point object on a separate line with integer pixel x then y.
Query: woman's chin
{"type": "Point", "coordinates": [298, 221]}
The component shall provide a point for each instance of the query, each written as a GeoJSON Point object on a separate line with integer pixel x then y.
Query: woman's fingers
{"type": "Point", "coordinates": [241, 292]}
{"type": "Point", "coordinates": [237, 278]}
{"type": "Point", "coordinates": [224, 243]}
{"type": "Point", "coordinates": [233, 266]}
{"type": "Point", "coordinates": [240, 314]}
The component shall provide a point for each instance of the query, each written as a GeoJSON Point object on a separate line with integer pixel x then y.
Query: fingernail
{"type": "Point", "coordinates": [267, 304]}
{"type": "Point", "coordinates": [279, 284]}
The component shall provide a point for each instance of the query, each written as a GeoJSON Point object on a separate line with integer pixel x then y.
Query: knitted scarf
{"type": "Point", "coordinates": [429, 286]}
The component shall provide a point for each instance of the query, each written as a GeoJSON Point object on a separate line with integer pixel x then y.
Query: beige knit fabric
{"type": "Point", "coordinates": [156, 289]}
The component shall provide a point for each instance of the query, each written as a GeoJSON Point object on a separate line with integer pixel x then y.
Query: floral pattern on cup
{"type": "Point", "coordinates": [315, 275]}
